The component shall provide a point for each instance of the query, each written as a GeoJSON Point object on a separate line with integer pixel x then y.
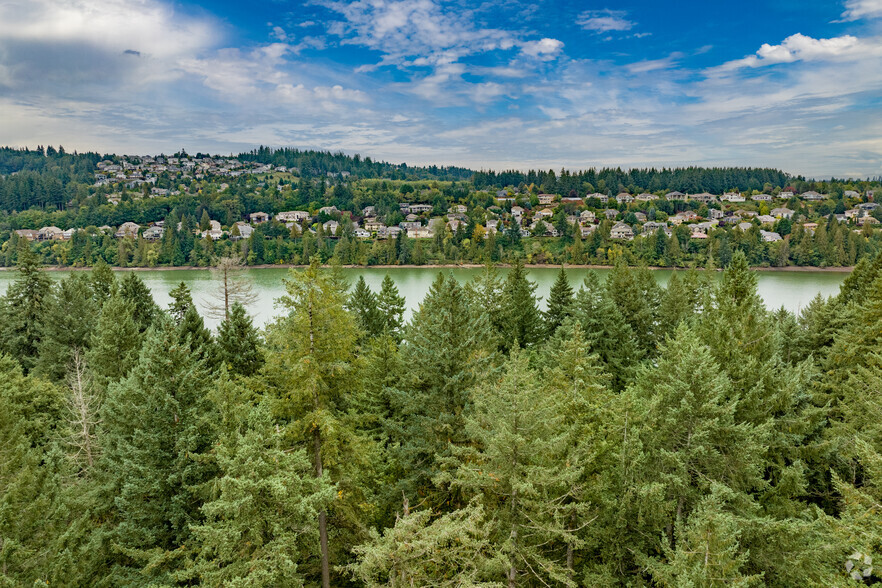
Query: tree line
{"type": "Point", "coordinates": [628, 434]}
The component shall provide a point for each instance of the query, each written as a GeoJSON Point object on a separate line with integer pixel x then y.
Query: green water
{"type": "Point", "coordinates": [793, 290]}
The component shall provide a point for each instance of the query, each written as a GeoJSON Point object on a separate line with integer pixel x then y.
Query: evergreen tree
{"type": "Point", "coordinates": [261, 525]}
{"type": "Point", "coordinates": [67, 325]}
{"type": "Point", "coordinates": [239, 343]}
{"type": "Point", "coordinates": [103, 282]}
{"type": "Point", "coordinates": [138, 300]}
{"type": "Point", "coordinates": [22, 310]}
{"type": "Point", "coordinates": [115, 343]}
{"type": "Point", "coordinates": [181, 302]}
{"type": "Point", "coordinates": [447, 349]}
{"type": "Point", "coordinates": [637, 295]}
{"type": "Point", "coordinates": [560, 303]}
{"type": "Point", "coordinates": [363, 304]}
{"type": "Point", "coordinates": [193, 333]}
{"type": "Point", "coordinates": [156, 421]}
{"type": "Point", "coordinates": [521, 320]}
{"type": "Point", "coordinates": [309, 366]}
{"type": "Point", "coordinates": [518, 469]}
{"type": "Point", "coordinates": [606, 330]}
{"type": "Point", "coordinates": [391, 307]}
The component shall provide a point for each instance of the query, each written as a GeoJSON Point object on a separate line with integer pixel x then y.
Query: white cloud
{"type": "Point", "coordinates": [800, 47]}
{"type": "Point", "coordinates": [543, 49]}
{"type": "Point", "coordinates": [649, 65]}
{"type": "Point", "coordinates": [606, 20]}
{"type": "Point", "coordinates": [857, 9]}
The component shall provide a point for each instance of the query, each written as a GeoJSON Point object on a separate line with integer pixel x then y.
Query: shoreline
{"type": "Point", "coordinates": [789, 268]}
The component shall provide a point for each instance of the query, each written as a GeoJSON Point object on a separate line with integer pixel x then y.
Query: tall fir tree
{"type": "Point", "coordinates": [115, 343]}
{"type": "Point", "coordinates": [363, 304]}
{"type": "Point", "coordinates": [138, 300]}
{"type": "Point", "coordinates": [22, 310]}
{"type": "Point", "coordinates": [560, 303]}
{"type": "Point", "coordinates": [68, 321]}
{"type": "Point", "coordinates": [391, 306]}
{"type": "Point", "coordinates": [239, 343]}
{"type": "Point", "coordinates": [521, 320]}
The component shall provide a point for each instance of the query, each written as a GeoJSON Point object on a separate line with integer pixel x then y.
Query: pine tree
{"type": "Point", "coordinates": [363, 304]}
{"type": "Point", "coordinates": [22, 310]}
{"type": "Point", "coordinates": [239, 343]}
{"type": "Point", "coordinates": [606, 330]}
{"type": "Point", "coordinates": [521, 320]}
{"type": "Point", "coordinates": [104, 283]}
{"type": "Point", "coordinates": [309, 362]}
{"type": "Point", "coordinates": [156, 421]}
{"type": "Point", "coordinates": [260, 528]}
{"type": "Point", "coordinates": [138, 300]}
{"type": "Point", "coordinates": [637, 295]}
{"type": "Point", "coordinates": [450, 551]}
{"type": "Point", "coordinates": [447, 349]}
{"type": "Point", "coordinates": [193, 333]}
{"type": "Point", "coordinates": [68, 321]}
{"type": "Point", "coordinates": [181, 302]}
{"type": "Point", "coordinates": [391, 307]}
{"type": "Point", "coordinates": [520, 469]}
{"type": "Point", "coordinates": [560, 303]}
{"type": "Point", "coordinates": [687, 442]}
{"type": "Point", "coordinates": [115, 343]}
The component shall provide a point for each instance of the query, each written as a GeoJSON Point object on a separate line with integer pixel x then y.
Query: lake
{"type": "Point", "coordinates": [792, 290]}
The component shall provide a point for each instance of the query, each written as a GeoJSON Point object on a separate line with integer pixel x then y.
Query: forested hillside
{"type": "Point", "coordinates": [628, 436]}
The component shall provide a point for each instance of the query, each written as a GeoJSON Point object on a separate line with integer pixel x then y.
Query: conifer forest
{"type": "Point", "coordinates": [627, 435]}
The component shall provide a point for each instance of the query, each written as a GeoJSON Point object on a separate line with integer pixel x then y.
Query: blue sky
{"type": "Point", "coordinates": [549, 84]}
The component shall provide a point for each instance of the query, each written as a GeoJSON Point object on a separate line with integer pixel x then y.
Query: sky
{"type": "Point", "coordinates": [791, 84]}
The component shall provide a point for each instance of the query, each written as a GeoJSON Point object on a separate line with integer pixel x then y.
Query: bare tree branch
{"type": "Point", "coordinates": [232, 287]}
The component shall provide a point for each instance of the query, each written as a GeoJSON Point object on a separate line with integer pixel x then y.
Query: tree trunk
{"type": "Point", "coordinates": [317, 448]}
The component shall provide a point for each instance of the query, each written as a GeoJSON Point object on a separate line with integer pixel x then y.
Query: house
{"type": "Point", "coordinates": [295, 216]}
{"type": "Point", "coordinates": [454, 225]}
{"type": "Point", "coordinates": [362, 233]}
{"type": "Point", "coordinates": [458, 209]}
{"type": "Point", "coordinates": [684, 217]}
{"type": "Point", "coordinates": [645, 197]}
{"type": "Point", "coordinates": [517, 211]}
{"type": "Point", "coordinates": [331, 227]}
{"type": "Point", "coordinates": [419, 233]}
{"type": "Point", "coordinates": [602, 197]}
{"type": "Point", "coordinates": [492, 225]}
{"type": "Point", "coordinates": [587, 230]}
{"type": "Point", "coordinates": [704, 197]}
{"type": "Point", "coordinates": [388, 232]}
{"type": "Point", "coordinates": [587, 216]}
{"type": "Point", "coordinates": [544, 213]}
{"type": "Point", "coordinates": [624, 197]}
{"type": "Point", "coordinates": [571, 200]}
{"type": "Point", "coordinates": [29, 234]}
{"type": "Point", "coordinates": [769, 236]}
{"type": "Point", "coordinates": [50, 233]}
{"type": "Point", "coordinates": [782, 213]}
{"type": "Point", "coordinates": [373, 224]}
{"type": "Point", "coordinates": [745, 226]}
{"type": "Point", "coordinates": [369, 211]}
{"type": "Point", "coordinates": [546, 199]}
{"type": "Point", "coordinates": [761, 198]}
{"type": "Point", "coordinates": [868, 206]}
{"type": "Point", "coordinates": [714, 213]}
{"type": "Point", "coordinates": [213, 234]}
{"type": "Point", "coordinates": [420, 208]}
{"type": "Point", "coordinates": [621, 231]}
{"type": "Point", "coordinates": [652, 227]}
{"type": "Point", "coordinates": [641, 217]}
{"type": "Point", "coordinates": [812, 196]}
{"type": "Point", "coordinates": [785, 194]}
{"type": "Point", "coordinates": [153, 233]}
{"type": "Point", "coordinates": [766, 219]}
{"type": "Point", "coordinates": [244, 230]}
{"type": "Point", "coordinates": [259, 217]}
{"type": "Point", "coordinates": [328, 210]}
{"type": "Point", "coordinates": [732, 197]}
{"type": "Point", "coordinates": [867, 220]}
{"type": "Point", "coordinates": [611, 213]}
{"type": "Point", "coordinates": [698, 236]}
{"type": "Point", "coordinates": [128, 229]}
{"type": "Point", "coordinates": [853, 213]}
{"type": "Point", "coordinates": [704, 227]}
{"type": "Point", "coordinates": [214, 225]}
{"type": "Point", "coordinates": [851, 194]}
{"type": "Point", "coordinates": [678, 196]}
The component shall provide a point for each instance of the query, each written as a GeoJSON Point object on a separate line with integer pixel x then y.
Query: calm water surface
{"type": "Point", "coordinates": [792, 290]}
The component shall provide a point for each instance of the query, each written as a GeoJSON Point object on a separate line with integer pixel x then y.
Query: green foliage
{"type": "Point", "coordinates": [560, 303]}
{"type": "Point", "coordinates": [22, 310]}
{"type": "Point", "coordinates": [239, 343]}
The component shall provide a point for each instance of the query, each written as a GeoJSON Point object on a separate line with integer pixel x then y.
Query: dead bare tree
{"type": "Point", "coordinates": [83, 404]}
{"type": "Point", "coordinates": [232, 287]}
